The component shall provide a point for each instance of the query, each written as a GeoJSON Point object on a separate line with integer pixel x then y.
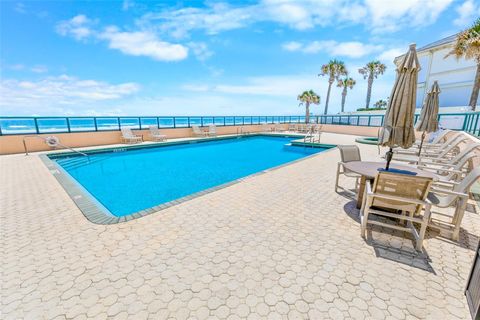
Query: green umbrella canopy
{"type": "Point", "coordinates": [398, 129]}
{"type": "Point", "coordinates": [428, 121]}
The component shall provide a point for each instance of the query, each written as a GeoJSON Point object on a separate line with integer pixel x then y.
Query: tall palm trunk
{"type": "Point", "coordinates": [476, 87]}
{"type": "Point", "coordinates": [307, 112]}
{"type": "Point", "coordinates": [330, 81]}
{"type": "Point", "coordinates": [344, 96]}
{"type": "Point", "coordinates": [369, 89]}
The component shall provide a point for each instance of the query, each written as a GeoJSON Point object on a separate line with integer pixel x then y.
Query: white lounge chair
{"type": "Point", "coordinates": [156, 135]}
{"type": "Point", "coordinates": [212, 131]}
{"type": "Point", "coordinates": [129, 137]}
{"type": "Point", "coordinates": [401, 197]}
{"type": "Point", "coordinates": [457, 197]}
{"type": "Point", "coordinates": [197, 132]}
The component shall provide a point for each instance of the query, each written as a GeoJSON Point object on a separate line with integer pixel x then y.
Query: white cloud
{"type": "Point", "coordinates": [60, 91]}
{"type": "Point", "coordinates": [200, 50]}
{"type": "Point", "coordinates": [78, 27]}
{"type": "Point", "coordinates": [136, 43]}
{"type": "Point", "coordinates": [378, 15]}
{"type": "Point", "coordinates": [39, 69]}
{"type": "Point", "coordinates": [467, 13]}
{"type": "Point", "coordinates": [388, 16]}
{"type": "Point", "coordinates": [351, 49]}
{"type": "Point", "coordinates": [143, 44]}
{"type": "Point", "coordinates": [292, 46]}
{"type": "Point", "coordinates": [389, 55]}
{"type": "Point", "coordinates": [280, 92]}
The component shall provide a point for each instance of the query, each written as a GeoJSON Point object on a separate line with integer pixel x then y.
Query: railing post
{"type": "Point", "coordinates": [36, 125]}
{"type": "Point", "coordinates": [476, 123]}
{"type": "Point", "coordinates": [68, 124]}
{"type": "Point", "coordinates": [465, 122]}
{"type": "Point", "coordinates": [175, 122]}
{"type": "Point", "coordinates": [188, 121]}
{"type": "Point", "coordinates": [94, 122]}
{"type": "Point", "coordinates": [158, 123]}
{"type": "Point", "coordinates": [369, 119]}
{"type": "Point", "coordinates": [119, 125]}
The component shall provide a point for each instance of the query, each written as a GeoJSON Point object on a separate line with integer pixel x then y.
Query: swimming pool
{"type": "Point", "coordinates": [130, 181]}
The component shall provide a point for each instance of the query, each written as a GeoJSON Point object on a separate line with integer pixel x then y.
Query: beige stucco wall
{"type": "Point", "coordinates": [14, 143]}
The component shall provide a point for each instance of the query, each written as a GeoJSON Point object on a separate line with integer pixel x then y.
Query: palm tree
{"type": "Point", "coordinates": [333, 69]}
{"type": "Point", "coordinates": [345, 83]}
{"type": "Point", "coordinates": [468, 46]}
{"type": "Point", "coordinates": [307, 98]}
{"type": "Point", "coordinates": [380, 104]}
{"type": "Point", "coordinates": [371, 71]}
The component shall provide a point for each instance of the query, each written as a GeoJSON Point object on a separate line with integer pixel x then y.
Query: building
{"type": "Point", "coordinates": [455, 77]}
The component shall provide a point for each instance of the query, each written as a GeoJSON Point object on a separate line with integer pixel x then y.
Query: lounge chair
{"type": "Point", "coordinates": [442, 136]}
{"type": "Point", "coordinates": [449, 161]}
{"type": "Point", "coordinates": [401, 197]}
{"type": "Point", "coordinates": [197, 132]}
{"type": "Point", "coordinates": [347, 153]}
{"type": "Point", "coordinates": [431, 150]}
{"type": "Point", "coordinates": [440, 155]}
{"type": "Point", "coordinates": [212, 131]}
{"type": "Point", "coordinates": [452, 173]}
{"type": "Point", "coordinates": [266, 128]}
{"type": "Point", "coordinates": [156, 135]}
{"type": "Point", "coordinates": [129, 137]}
{"type": "Point", "coordinates": [457, 197]}
{"type": "Point", "coordinates": [292, 128]}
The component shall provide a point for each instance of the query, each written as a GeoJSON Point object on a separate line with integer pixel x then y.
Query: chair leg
{"type": "Point", "coordinates": [364, 216]}
{"type": "Point", "coordinates": [423, 228]}
{"type": "Point", "coordinates": [338, 175]}
{"type": "Point", "coordinates": [457, 218]}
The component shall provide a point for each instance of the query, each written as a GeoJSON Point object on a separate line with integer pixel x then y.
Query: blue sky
{"type": "Point", "coordinates": [204, 58]}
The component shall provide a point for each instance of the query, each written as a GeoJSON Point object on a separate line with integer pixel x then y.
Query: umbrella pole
{"type": "Point", "coordinates": [389, 156]}
{"type": "Point", "coordinates": [421, 144]}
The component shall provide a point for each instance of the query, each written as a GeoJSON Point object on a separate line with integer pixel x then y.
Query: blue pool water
{"type": "Point", "coordinates": [130, 181]}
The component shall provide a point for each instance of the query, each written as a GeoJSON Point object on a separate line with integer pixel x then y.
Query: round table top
{"type": "Point", "coordinates": [369, 169]}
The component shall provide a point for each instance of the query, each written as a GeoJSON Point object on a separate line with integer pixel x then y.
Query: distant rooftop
{"type": "Point", "coordinates": [438, 43]}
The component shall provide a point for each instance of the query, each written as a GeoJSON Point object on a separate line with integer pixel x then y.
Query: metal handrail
{"type": "Point", "coordinates": [38, 125]}
{"type": "Point", "coordinates": [45, 139]}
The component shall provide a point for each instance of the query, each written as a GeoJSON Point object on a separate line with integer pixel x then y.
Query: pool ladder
{"type": "Point", "coordinates": [311, 134]}
{"type": "Point", "coordinates": [45, 139]}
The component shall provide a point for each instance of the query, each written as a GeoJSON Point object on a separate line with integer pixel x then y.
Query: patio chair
{"type": "Point", "coordinates": [347, 153]}
{"type": "Point", "coordinates": [457, 197]}
{"type": "Point", "coordinates": [197, 132]}
{"type": "Point", "coordinates": [129, 137]}
{"type": "Point", "coordinates": [212, 130]}
{"type": "Point", "coordinates": [401, 197]}
{"type": "Point", "coordinates": [156, 135]}
{"type": "Point", "coordinates": [292, 128]}
{"type": "Point", "coordinates": [278, 128]}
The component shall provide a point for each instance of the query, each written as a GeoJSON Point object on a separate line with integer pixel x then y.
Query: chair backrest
{"type": "Point", "coordinates": [196, 129]}
{"type": "Point", "coordinates": [467, 182]}
{"type": "Point", "coordinates": [440, 136]}
{"type": "Point", "coordinates": [468, 149]}
{"type": "Point", "coordinates": [453, 145]}
{"type": "Point", "coordinates": [349, 153]}
{"type": "Point", "coordinates": [400, 185]}
{"type": "Point", "coordinates": [467, 159]}
{"type": "Point", "coordinates": [154, 130]}
{"type": "Point", "coordinates": [127, 132]}
{"type": "Point", "coordinates": [212, 128]}
{"type": "Point", "coordinates": [462, 187]}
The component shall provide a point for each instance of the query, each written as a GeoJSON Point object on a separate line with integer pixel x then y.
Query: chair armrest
{"type": "Point", "coordinates": [448, 192]}
{"type": "Point", "coordinates": [439, 169]}
{"type": "Point", "coordinates": [396, 198]}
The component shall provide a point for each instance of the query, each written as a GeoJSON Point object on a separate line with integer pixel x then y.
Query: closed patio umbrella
{"type": "Point", "coordinates": [428, 121]}
{"type": "Point", "coordinates": [398, 130]}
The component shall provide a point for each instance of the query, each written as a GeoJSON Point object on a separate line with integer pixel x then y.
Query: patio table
{"type": "Point", "coordinates": [368, 170]}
